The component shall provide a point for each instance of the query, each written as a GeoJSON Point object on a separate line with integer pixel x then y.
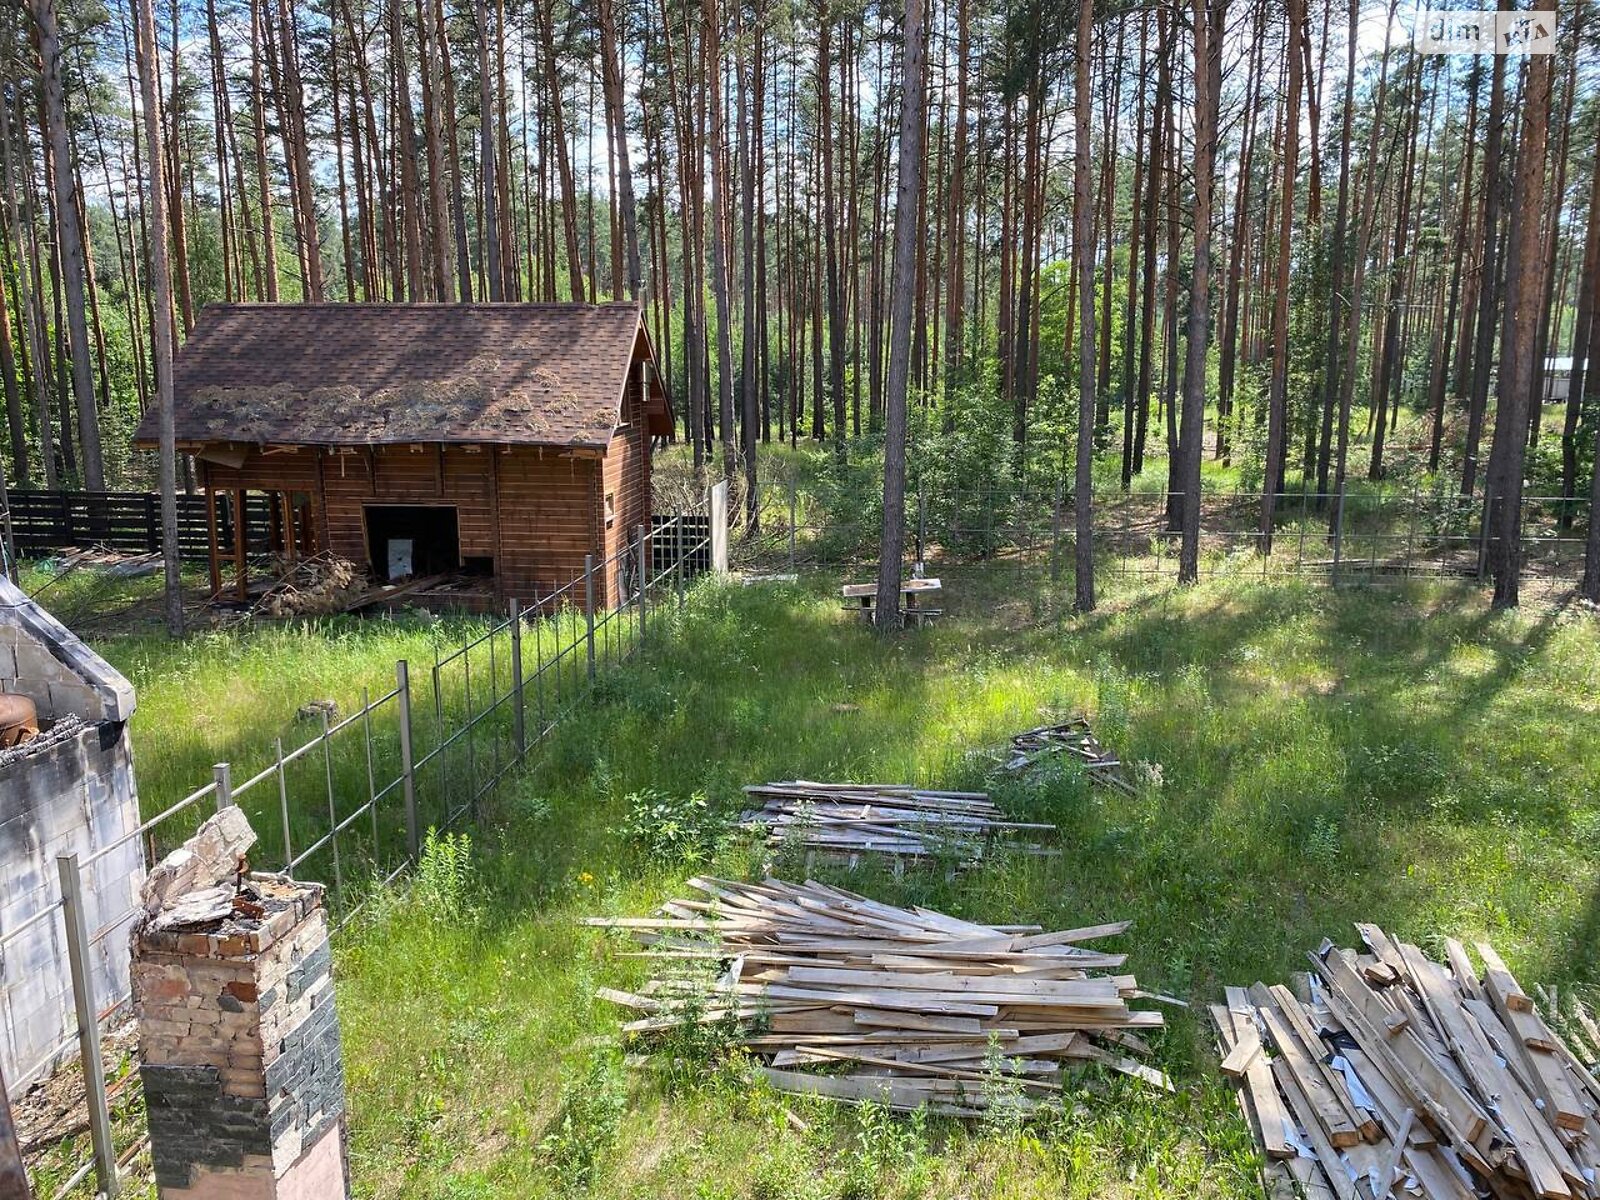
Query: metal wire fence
{"type": "Point", "coordinates": [349, 807]}
{"type": "Point", "coordinates": [1368, 536]}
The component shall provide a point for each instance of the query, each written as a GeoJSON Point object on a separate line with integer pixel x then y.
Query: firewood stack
{"type": "Point", "coordinates": [917, 1008]}
{"type": "Point", "coordinates": [1074, 738]}
{"type": "Point", "coordinates": [846, 819]}
{"type": "Point", "coordinates": [1397, 1075]}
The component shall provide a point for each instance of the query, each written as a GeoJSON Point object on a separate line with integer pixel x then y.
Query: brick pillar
{"type": "Point", "coordinates": [239, 1043]}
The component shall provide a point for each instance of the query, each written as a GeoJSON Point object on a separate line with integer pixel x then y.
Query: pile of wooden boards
{"type": "Point", "coordinates": [1394, 1075]}
{"type": "Point", "coordinates": [1075, 738]}
{"type": "Point", "coordinates": [322, 583]}
{"type": "Point", "coordinates": [907, 1007]}
{"type": "Point", "coordinates": [845, 819]}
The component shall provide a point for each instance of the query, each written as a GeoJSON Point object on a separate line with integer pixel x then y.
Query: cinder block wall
{"type": "Point", "coordinates": [72, 790]}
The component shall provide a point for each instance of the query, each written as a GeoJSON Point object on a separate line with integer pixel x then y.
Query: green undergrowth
{"type": "Point", "coordinates": [1306, 758]}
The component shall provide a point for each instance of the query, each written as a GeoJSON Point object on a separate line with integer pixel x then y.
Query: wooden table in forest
{"type": "Point", "coordinates": [912, 591]}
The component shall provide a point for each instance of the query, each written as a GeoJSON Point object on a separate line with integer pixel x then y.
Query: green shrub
{"type": "Point", "coordinates": [670, 830]}
{"type": "Point", "coordinates": [446, 880]}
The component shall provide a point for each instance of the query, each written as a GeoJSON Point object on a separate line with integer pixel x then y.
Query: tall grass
{"type": "Point", "coordinates": [1309, 758]}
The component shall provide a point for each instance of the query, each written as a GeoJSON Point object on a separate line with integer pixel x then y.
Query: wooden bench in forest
{"type": "Point", "coordinates": [863, 598]}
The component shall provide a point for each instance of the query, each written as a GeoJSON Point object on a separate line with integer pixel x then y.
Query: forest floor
{"type": "Point", "coordinates": [1315, 757]}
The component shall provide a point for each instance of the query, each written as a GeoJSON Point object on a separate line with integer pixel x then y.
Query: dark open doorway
{"type": "Point", "coordinates": [411, 540]}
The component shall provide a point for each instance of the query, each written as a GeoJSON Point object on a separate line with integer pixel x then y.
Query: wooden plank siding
{"type": "Point", "coordinates": [626, 479]}
{"type": "Point", "coordinates": [548, 520]}
{"type": "Point", "coordinates": [536, 511]}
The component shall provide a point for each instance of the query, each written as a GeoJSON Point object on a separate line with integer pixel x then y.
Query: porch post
{"type": "Point", "coordinates": [241, 571]}
{"type": "Point", "coordinates": [214, 551]}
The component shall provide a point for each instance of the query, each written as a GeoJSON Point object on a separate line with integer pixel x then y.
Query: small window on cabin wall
{"type": "Point", "coordinates": [611, 509]}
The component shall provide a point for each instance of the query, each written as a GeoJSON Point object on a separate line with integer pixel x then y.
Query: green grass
{"type": "Point", "coordinates": [1312, 758]}
{"type": "Point", "coordinates": [1400, 756]}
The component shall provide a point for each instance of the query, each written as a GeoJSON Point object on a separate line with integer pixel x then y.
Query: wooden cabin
{"type": "Point", "coordinates": [483, 448]}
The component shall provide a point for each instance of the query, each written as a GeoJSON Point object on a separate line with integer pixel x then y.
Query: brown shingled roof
{"type": "Point", "coordinates": [365, 374]}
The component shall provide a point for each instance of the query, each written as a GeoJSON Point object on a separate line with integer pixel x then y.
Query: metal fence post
{"type": "Point", "coordinates": [1483, 536]}
{"type": "Point", "coordinates": [222, 773]}
{"type": "Point", "coordinates": [538, 670]}
{"type": "Point", "coordinates": [792, 516]}
{"type": "Point", "coordinates": [588, 608]}
{"type": "Point", "coordinates": [333, 812]}
{"type": "Point", "coordinates": [1055, 537]}
{"type": "Point", "coordinates": [408, 775]}
{"type": "Point", "coordinates": [94, 1074]}
{"type": "Point", "coordinates": [518, 719]}
{"type": "Point", "coordinates": [719, 527]}
{"type": "Point", "coordinates": [643, 534]}
{"type": "Point", "coordinates": [677, 564]}
{"type": "Point", "coordinates": [1338, 533]}
{"type": "Point", "coordinates": [283, 805]}
{"type": "Point", "coordinates": [922, 525]}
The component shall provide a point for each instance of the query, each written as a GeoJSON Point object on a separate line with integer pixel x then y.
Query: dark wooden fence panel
{"type": "Point", "coordinates": [687, 537]}
{"type": "Point", "coordinates": [129, 522]}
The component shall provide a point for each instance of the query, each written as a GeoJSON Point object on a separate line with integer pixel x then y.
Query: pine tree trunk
{"type": "Point", "coordinates": [1210, 20]}
{"type": "Point", "coordinates": [365, 153]}
{"type": "Point", "coordinates": [174, 161]}
{"type": "Point", "coordinates": [1332, 359]}
{"type": "Point", "coordinates": [15, 418]}
{"type": "Point", "coordinates": [1278, 386]}
{"type": "Point", "coordinates": [558, 139]}
{"type": "Point", "coordinates": [717, 151]}
{"type": "Point", "coordinates": [1229, 355]}
{"type": "Point", "coordinates": [258, 118]}
{"type": "Point", "coordinates": [432, 74]}
{"type": "Point", "coordinates": [33, 326]}
{"type": "Point", "coordinates": [825, 132]}
{"type": "Point", "coordinates": [1582, 347]}
{"type": "Point", "coordinates": [1108, 190]}
{"type": "Point", "coordinates": [488, 158]}
{"type": "Point", "coordinates": [405, 151]}
{"type": "Point", "coordinates": [161, 284]}
{"type": "Point", "coordinates": [1352, 339]}
{"type": "Point", "coordinates": [1488, 306]}
{"type": "Point", "coordinates": [346, 246]}
{"type": "Point", "coordinates": [71, 243]}
{"type": "Point", "coordinates": [1440, 370]}
{"type": "Point", "coordinates": [891, 552]}
{"type": "Point", "coordinates": [297, 141]}
{"type": "Point", "coordinates": [1083, 252]}
{"type": "Point", "coordinates": [956, 222]}
{"type": "Point", "coordinates": [748, 407]}
{"type": "Point", "coordinates": [1163, 100]}
{"type": "Point", "coordinates": [1590, 588]}
{"type": "Point", "coordinates": [456, 198]}
{"type": "Point", "coordinates": [627, 207]}
{"type": "Point", "coordinates": [1518, 368]}
{"type": "Point", "coordinates": [1390, 356]}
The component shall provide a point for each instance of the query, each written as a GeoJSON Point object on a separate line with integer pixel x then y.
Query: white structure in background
{"type": "Point", "coordinates": [68, 790]}
{"type": "Point", "coordinates": [1557, 379]}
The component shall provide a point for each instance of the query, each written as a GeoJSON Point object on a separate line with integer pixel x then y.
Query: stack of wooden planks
{"type": "Point", "coordinates": [845, 819]}
{"type": "Point", "coordinates": [1394, 1075]}
{"type": "Point", "coordinates": [837, 995]}
{"type": "Point", "coordinates": [1074, 738]}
